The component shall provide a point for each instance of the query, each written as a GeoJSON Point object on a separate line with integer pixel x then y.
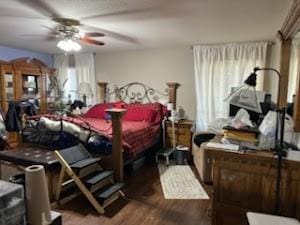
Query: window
{"type": "Point", "coordinates": [70, 88]}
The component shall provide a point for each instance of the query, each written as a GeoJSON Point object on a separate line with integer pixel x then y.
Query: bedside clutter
{"type": "Point", "coordinates": [183, 135]}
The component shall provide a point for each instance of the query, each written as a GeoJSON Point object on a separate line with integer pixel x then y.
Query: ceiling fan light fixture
{"type": "Point", "coordinates": [68, 45]}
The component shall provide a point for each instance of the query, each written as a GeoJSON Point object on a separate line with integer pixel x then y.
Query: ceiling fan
{"type": "Point", "coordinates": [69, 31]}
{"type": "Point", "coordinates": [69, 34]}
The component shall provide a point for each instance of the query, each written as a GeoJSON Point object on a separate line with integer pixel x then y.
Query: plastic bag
{"type": "Point", "coordinates": [268, 125]}
{"type": "Point", "coordinates": [268, 129]}
{"type": "Point", "coordinates": [216, 126]}
{"type": "Point", "coordinates": [288, 129]}
{"type": "Point", "coordinates": [241, 119]}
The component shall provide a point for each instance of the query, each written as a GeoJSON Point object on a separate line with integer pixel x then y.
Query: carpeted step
{"type": "Point", "coordinates": [104, 195]}
{"type": "Point", "coordinates": [84, 163]}
{"type": "Point", "coordinates": [97, 177]}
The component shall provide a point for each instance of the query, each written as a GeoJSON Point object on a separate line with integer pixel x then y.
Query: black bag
{"type": "Point", "coordinates": [38, 134]}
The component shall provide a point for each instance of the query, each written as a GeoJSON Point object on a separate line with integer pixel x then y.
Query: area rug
{"type": "Point", "coordinates": [179, 182]}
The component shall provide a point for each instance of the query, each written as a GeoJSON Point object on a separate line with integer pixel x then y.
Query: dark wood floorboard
{"type": "Point", "coordinates": [145, 205]}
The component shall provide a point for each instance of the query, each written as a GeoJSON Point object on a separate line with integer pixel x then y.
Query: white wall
{"type": "Point", "coordinates": [153, 67]}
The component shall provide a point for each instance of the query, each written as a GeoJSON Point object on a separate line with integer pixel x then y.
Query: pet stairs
{"type": "Point", "coordinates": [85, 172]}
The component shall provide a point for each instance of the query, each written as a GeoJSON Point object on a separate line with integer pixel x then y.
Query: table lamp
{"type": "Point", "coordinates": [246, 96]}
{"type": "Point", "coordinates": [84, 90]}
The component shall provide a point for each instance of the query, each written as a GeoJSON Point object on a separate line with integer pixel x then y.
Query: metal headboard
{"type": "Point", "coordinates": [135, 92]}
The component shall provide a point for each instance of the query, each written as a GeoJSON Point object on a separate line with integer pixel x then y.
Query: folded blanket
{"type": "Point", "coordinates": [68, 127]}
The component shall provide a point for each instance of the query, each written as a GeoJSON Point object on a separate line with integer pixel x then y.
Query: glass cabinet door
{"type": "Point", "coordinates": [32, 88]}
{"type": "Point", "coordinates": [50, 94]}
{"type": "Point", "coordinates": [9, 88]}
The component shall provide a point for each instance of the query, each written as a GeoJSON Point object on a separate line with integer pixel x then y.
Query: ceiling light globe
{"type": "Point", "coordinates": [68, 45]}
{"type": "Point", "coordinates": [76, 47]}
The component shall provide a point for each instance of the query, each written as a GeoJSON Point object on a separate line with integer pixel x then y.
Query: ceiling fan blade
{"type": "Point", "coordinates": [112, 34]}
{"type": "Point", "coordinates": [133, 12]}
{"type": "Point", "coordinates": [42, 7]}
{"type": "Point", "coordinates": [51, 38]}
{"type": "Point", "coordinates": [91, 41]}
{"type": "Point", "coordinates": [39, 36]}
{"type": "Point", "coordinates": [93, 34]}
{"type": "Point", "coordinates": [17, 14]}
{"type": "Point", "coordinates": [66, 21]}
{"type": "Point", "coordinates": [53, 31]}
{"type": "Point", "coordinates": [32, 35]}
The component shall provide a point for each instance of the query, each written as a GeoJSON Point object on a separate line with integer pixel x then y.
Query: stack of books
{"type": "Point", "coordinates": [247, 137]}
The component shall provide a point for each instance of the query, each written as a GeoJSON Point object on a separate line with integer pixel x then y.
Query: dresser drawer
{"type": "Point", "coordinates": [177, 131]}
{"type": "Point", "coordinates": [183, 134]}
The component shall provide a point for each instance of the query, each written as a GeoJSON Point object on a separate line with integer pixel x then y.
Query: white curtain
{"type": "Point", "coordinates": [85, 70]}
{"type": "Point", "coordinates": [61, 64]}
{"type": "Point", "coordinates": [293, 73]}
{"type": "Point", "coordinates": [218, 68]}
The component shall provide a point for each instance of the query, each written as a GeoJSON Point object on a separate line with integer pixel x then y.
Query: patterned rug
{"type": "Point", "coordinates": [179, 182]}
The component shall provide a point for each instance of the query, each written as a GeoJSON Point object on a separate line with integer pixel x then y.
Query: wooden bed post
{"type": "Point", "coordinates": [117, 148]}
{"type": "Point", "coordinates": [103, 88]}
{"type": "Point", "coordinates": [172, 89]}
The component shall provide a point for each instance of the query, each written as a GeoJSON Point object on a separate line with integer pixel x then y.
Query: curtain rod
{"type": "Point", "coordinates": [270, 43]}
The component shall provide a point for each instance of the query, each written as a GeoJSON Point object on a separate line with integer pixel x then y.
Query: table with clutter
{"type": "Point", "coordinates": [24, 156]}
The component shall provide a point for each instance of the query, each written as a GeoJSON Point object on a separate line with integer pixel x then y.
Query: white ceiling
{"type": "Point", "coordinates": [137, 24]}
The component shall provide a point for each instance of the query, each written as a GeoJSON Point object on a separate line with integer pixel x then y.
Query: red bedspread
{"type": "Point", "coordinates": [138, 135]}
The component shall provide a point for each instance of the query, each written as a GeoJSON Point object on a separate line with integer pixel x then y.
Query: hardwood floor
{"type": "Point", "coordinates": [145, 204]}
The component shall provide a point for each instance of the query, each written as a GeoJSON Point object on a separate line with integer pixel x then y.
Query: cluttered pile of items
{"type": "Point", "coordinates": [247, 137]}
{"type": "Point", "coordinates": [241, 131]}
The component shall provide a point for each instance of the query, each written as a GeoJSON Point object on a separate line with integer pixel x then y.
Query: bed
{"type": "Point", "coordinates": [126, 123]}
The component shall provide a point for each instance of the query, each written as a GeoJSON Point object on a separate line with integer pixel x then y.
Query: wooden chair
{"type": "Point", "coordinates": [85, 172]}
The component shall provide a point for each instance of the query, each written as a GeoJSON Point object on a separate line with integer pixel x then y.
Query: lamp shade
{"type": "Point", "coordinates": [84, 88]}
{"type": "Point", "coordinates": [245, 97]}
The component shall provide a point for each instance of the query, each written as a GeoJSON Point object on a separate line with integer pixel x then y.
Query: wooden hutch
{"type": "Point", "coordinates": [21, 79]}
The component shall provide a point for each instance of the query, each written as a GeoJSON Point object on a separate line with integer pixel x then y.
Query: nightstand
{"type": "Point", "coordinates": [183, 133]}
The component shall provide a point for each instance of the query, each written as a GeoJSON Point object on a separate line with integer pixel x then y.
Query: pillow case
{"type": "Point", "coordinates": [151, 112]}
{"type": "Point", "coordinates": [140, 114]}
{"type": "Point", "coordinates": [98, 110]}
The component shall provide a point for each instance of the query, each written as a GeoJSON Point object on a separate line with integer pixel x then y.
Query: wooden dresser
{"type": "Point", "coordinates": [246, 182]}
{"type": "Point", "coordinates": [183, 134]}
